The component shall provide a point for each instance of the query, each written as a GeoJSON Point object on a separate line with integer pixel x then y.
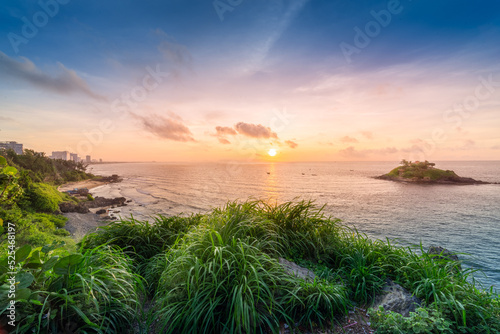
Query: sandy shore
{"type": "Point", "coordinates": [80, 224]}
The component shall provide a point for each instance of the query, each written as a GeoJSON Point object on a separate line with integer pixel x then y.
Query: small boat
{"type": "Point", "coordinates": [268, 173]}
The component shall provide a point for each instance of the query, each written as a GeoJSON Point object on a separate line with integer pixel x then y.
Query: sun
{"type": "Point", "coordinates": [272, 152]}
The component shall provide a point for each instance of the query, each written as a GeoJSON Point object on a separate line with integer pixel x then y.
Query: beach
{"type": "Point", "coordinates": [80, 224]}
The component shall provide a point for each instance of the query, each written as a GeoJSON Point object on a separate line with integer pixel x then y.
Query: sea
{"type": "Point", "coordinates": [460, 218]}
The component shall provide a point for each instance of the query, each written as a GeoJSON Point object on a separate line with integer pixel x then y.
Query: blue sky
{"type": "Point", "coordinates": [395, 97]}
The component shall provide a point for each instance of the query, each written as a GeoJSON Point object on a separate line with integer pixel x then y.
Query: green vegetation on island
{"type": "Point", "coordinates": [425, 172]}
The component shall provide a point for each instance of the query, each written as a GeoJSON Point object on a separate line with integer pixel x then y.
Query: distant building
{"type": "Point", "coordinates": [12, 145]}
{"type": "Point", "coordinates": [100, 160]}
{"type": "Point", "coordinates": [74, 157]}
{"type": "Point", "coordinates": [87, 159]}
{"type": "Point", "coordinates": [63, 155]}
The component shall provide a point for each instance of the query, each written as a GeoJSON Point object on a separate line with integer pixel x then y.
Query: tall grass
{"type": "Point", "coordinates": [142, 239]}
{"type": "Point", "coordinates": [93, 292]}
{"type": "Point", "coordinates": [219, 273]}
{"type": "Point", "coordinates": [223, 277]}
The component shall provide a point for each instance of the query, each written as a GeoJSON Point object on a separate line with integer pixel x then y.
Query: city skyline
{"type": "Point", "coordinates": [232, 80]}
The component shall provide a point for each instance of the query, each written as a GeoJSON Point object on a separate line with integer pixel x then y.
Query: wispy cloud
{"type": "Point", "coordinates": [170, 127]}
{"type": "Point", "coordinates": [291, 144]}
{"type": "Point", "coordinates": [367, 134]}
{"type": "Point", "coordinates": [225, 130]}
{"type": "Point", "coordinates": [177, 55]}
{"type": "Point", "coordinates": [66, 82]}
{"type": "Point", "coordinates": [276, 30]}
{"type": "Point", "coordinates": [349, 140]}
{"type": "Point", "coordinates": [255, 130]}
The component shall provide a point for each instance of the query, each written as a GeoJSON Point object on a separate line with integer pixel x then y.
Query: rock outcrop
{"type": "Point", "coordinates": [294, 269]}
{"type": "Point", "coordinates": [442, 253]}
{"type": "Point", "coordinates": [397, 299]}
{"type": "Point", "coordinates": [98, 202]}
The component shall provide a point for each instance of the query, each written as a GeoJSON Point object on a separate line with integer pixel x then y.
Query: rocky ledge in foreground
{"type": "Point", "coordinates": [424, 172]}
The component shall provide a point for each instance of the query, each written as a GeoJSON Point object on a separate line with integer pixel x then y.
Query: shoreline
{"type": "Point", "coordinates": [80, 224]}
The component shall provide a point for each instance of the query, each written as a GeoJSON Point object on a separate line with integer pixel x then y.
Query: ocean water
{"type": "Point", "coordinates": [461, 218]}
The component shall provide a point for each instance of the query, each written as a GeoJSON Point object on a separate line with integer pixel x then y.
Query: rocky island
{"type": "Point", "coordinates": [425, 172]}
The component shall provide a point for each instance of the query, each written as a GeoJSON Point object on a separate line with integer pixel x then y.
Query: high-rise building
{"type": "Point", "coordinates": [63, 155]}
{"type": "Point", "coordinates": [12, 145]}
{"type": "Point", "coordinates": [74, 157]}
{"type": "Point", "coordinates": [87, 159]}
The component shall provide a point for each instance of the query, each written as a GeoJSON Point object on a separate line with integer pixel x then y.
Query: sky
{"type": "Point", "coordinates": [228, 80]}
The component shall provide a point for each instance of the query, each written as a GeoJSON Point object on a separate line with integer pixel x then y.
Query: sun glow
{"type": "Point", "coordinates": [272, 152]}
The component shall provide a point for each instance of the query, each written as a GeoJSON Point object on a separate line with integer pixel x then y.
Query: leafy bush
{"type": "Point", "coordinates": [422, 321]}
{"type": "Point", "coordinates": [41, 168]}
{"type": "Point", "coordinates": [93, 292]}
{"type": "Point", "coordinates": [35, 229]}
{"type": "Point", "coordinates": [43, 198]}
{"type": "Point", "coordinates": [9, 185]}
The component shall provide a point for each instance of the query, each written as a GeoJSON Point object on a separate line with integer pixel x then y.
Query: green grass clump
{"type": "Point", "coordinates": [143, 240]}
{"type": "Point", "coordinates": [90, 292]}
{"type": "Point", "coordinates": [220, 273]}
{"type": "Point", "coordinates": [42, 197]}
{"type": "Point", "coordinates": [220, 278]}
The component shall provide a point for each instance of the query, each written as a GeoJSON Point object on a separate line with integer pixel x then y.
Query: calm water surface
{"type": "Point", "coordinates": [462, 218]}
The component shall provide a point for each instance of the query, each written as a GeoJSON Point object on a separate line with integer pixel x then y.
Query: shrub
{"type": "Point", "coordinates": [43, 198]}
{"type": "Point", "coordinates": [423, 320]}
{"type": "Point", "coordinates": [93, 292]}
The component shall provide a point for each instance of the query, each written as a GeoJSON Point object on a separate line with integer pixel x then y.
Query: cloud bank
{"type": "Point", "coordinates": [255, 130]}
{"type": "Point", "coordinates": [65, 82]}
{"type": "Point", "coordinates": [170, 127]}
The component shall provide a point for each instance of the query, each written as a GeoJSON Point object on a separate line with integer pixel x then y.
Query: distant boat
{"type": "Point", "coordinates": [268, 173]}
{"type": "Point", "coordinates": [303, 173]}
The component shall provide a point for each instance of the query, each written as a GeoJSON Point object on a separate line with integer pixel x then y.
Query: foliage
{"type": "Point", "coordinates": [92, 292]}
{"type": "Point", "coordinates": [220, 278]}
{"type": "Point", "coordinates": [36, 229]}
{"type": "Point", "coordinates": [41, 168]}
{"type": "Point", "coordinates": [42, 197]}
{"type": "Point", "coordinates": [9, 185]}
{"type": "Point", "coordinates": [422, 321]}
{"type": "Point", "coordinates": [143, 239]}
{"type": "Point", "coordinates": [219, 272]}
{"type": "Point", "coordinates": [421, 171]}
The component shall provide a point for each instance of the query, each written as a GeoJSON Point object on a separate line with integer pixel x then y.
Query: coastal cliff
{"type": "Point", "coordinates": [425, 172]}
